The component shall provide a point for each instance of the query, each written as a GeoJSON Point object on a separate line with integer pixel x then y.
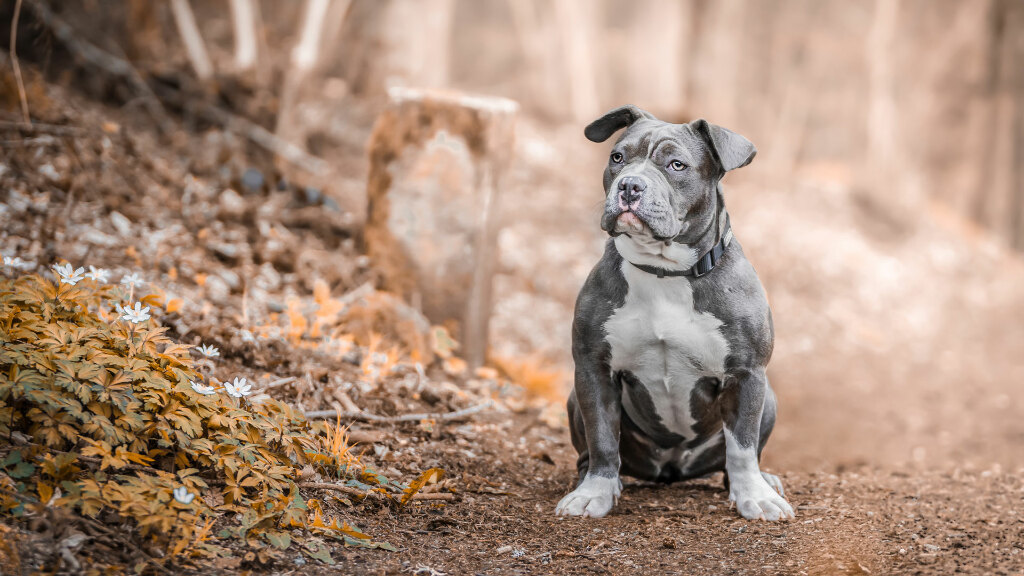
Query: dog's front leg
{"type": "Point", "coordinates": [748, 487]}
{"type": "Point", "coordinates": [600, 405]}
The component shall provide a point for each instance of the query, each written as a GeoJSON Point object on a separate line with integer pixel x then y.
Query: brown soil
{"type": "Point", "coordinates": [869, 521]}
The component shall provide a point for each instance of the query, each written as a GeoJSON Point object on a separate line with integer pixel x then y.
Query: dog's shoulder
{"type": "Point", "coordinates": [603, 292]}
{"type": "Point", "coordinates": [733, 293]}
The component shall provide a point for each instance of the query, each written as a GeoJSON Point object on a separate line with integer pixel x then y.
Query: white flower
{"type": "Point", "coordinates": [209, 351]}
{"type": "Point", "coordinates": [98, 274]}
{"type": "Point", "coordinates": [17, 263]}
{"type": "Point", "coordinates": [68, 274]}
{"type": "Point", "coordinates": [202, 388]}
{"type": "Point", "coordinates": [137, 314]}
{"type": "Point", "coordinates": [181, 494]}
{"type": "Point", "coordinates": [132, 280]}
{"type": "Point", "coordinates": [238, 388]}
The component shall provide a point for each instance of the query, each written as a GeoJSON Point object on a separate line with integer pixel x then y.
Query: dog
{"type": "Point", "coordinates": [672, 331]}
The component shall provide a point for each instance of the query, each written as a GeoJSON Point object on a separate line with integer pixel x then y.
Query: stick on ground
{"type": "Point", "coordinates": [367, 417]}
{"type": "Point", "coordinates": [15, 65]}
{"type": "Point", "coordinates": [443, 496]}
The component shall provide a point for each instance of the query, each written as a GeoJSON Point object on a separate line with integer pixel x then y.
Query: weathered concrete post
{"type": "Point", "coordinates": [437, 160]}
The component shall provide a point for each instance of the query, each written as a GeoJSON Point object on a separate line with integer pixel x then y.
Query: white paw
{"type": "Point", "coordinates": [757, 499]}
{"type": "Point", "coordinates": [593, 498]}
{"type": "Point", "coordinates": [774, 482]}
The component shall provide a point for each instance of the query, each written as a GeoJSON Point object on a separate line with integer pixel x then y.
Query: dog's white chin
{"type": "Point", "coordinates": [629, 223]}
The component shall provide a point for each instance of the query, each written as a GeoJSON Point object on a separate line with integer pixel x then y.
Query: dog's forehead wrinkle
{"type": "Point", "coordinates": [648, 138]}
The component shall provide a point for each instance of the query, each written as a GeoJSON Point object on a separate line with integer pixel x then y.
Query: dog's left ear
{"type": "Point", "coordinates": [730, 149]}
{"type": "Point", "coordinates": [601, 129]}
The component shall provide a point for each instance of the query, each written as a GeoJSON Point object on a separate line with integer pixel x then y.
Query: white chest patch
{"type": "Point", "coordinates": [667, 344]}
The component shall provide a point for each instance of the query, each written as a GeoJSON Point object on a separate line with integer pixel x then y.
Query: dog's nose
{"type": "Point", "coordinates": [630, 189]}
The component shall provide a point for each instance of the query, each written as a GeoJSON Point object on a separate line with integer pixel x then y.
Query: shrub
{"type": "Point", "coordinates": [109, 417]}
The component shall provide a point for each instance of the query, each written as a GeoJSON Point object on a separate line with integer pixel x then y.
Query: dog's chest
{"type": "Point", "coordinates": [667, 345]}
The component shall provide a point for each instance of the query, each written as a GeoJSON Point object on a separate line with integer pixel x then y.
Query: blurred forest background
{"type": "Point", "coordinates": [327, 189]}
{"type": "Point", "coordinates": [884, 212]}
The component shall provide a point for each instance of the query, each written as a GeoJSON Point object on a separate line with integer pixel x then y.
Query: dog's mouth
{"type": "Point", "coordinates": [629, 223]}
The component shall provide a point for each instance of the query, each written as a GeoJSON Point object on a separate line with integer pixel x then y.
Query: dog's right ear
{"type": "Point", "coordinates": [601, 129]}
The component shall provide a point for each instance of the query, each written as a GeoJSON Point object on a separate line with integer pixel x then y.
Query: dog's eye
{"type": "Point", "coordinates": [617, 157]}
{"type": "Point", "coordinates": [676, 165]}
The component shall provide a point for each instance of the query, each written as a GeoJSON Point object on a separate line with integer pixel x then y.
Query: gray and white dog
{"type": "Point", "coordinates": [672, 330]}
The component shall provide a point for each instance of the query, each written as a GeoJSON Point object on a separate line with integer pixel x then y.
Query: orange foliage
{"type": "Point", "coordinates": [537, 376]}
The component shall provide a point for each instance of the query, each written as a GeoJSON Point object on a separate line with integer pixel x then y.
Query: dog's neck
{"type": "Point", "coordinates": [675, 254]}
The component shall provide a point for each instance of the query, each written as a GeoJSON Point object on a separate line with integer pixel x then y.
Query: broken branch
{"type": "Point", "coordinates": [16, 66]}
{"type": "Point", "coordinates": [444, 496]}
{"type": "Point", "coordinates": [367, 417]}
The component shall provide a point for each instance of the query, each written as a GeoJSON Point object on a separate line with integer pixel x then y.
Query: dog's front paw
{"type": "Point", "coordinates": [593, 498]}
{"type": "Point", "coordinates": [757, 500]}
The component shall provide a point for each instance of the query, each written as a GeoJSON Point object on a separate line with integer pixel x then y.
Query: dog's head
{"type": "Point", "coordinates": [662, 178]}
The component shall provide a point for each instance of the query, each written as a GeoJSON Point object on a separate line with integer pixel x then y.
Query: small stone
{"type": "Point", "coordinates": [231, 203]}
{"type": "Point", "coordinates": [121, 223]}
{"type": "Point", "coordinates": [903, 551]}
{"type": "Point", "coordinates": [669, 543]}
{"type": "Point", "coordinates": [313, 195]}
{"type": "Point", "coordinates": [712, 507]}
{"type": "Point", "coordinates": [50, 172]}
{"type": "Point", "coordinates": [229, 251]}
{"type": "Point", "coordinates": [233, 280]}
{"type": "Point", "coordinates": [252, 180]}
{"type": "Point", "coordinates": [331, 204]}
{"type": "Point", "coordinates": [217, 290]}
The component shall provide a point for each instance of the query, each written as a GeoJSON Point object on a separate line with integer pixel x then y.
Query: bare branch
{"type": "Point", "coordinates": [443, 496]}
{"type": "Point", "coordinates": [367, 417]}
{"type": "Point", "coordinates": [243, 18]}
{"type": "Point", "coordinates": [193, 40]}
{"type": "Point", "coordinates": [15, 65]}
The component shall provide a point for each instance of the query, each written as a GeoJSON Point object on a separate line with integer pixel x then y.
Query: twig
{"type": "Point", "coordinates": [243, 20]}
{"type": "Point", "coordinates": [280, 382]}
{"type": "Point", "coordinates": [254, 132]}
{"type": "Point", "coordinates": [367, 417]}
{"type": "Point", "coordinates": [101, 59]}
{"type": "Point", "coordinates": [194, 46]}
{"type": "Point", "coordinates": [38, 128]}
{"type": "Point", "coordinates": [14, 62]}
{"type": "Point", "coordinates": [337, 488]}
{"type": "Point", "coordinates": [445, 496]}
{"type": "Point", "coordinates": [364, 289]}
{"type": "Point", "coordinates": [265, 139]}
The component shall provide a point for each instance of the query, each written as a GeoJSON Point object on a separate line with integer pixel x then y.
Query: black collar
{"type": "Point", "coordinates": [706, 263]}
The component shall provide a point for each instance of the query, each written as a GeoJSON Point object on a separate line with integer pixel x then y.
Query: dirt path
{"type": "Point", "coordinates": [863, 522]}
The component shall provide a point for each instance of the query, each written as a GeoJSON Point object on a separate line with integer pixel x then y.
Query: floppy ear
{"type": "Point", "coordinates": [601, 129]}
{"type": "Point", "coordinates": [730, 149]}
